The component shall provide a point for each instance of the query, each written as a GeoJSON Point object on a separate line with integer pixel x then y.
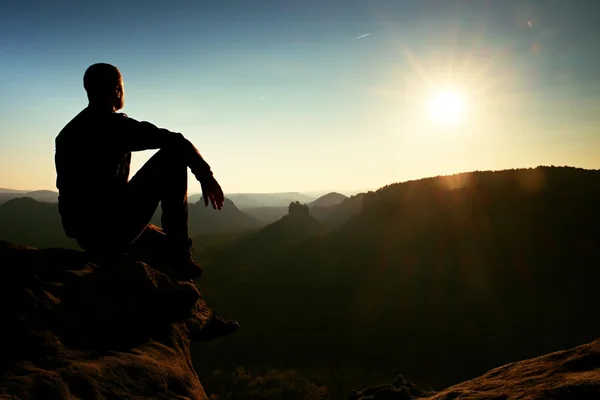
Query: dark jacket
{"type": "Point", "coordinates": [93, 155]}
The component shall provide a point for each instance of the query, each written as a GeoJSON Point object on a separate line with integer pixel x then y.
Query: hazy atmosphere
{"type": "Point", "coordinates": [313, 95]}
{"type": "Point", "coordinates": [349, 200]}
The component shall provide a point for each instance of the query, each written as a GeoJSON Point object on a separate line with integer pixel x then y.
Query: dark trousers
{"type": "Point", "coordinates": [163, 179]}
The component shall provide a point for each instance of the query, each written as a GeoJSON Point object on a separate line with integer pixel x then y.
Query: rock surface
{"type": "Point", "coordinates": [75, 326]}
{"type": "Point", "coordinates": [572, 374]}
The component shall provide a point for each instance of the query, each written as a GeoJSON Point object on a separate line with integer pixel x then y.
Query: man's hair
{"type": "Point", "coordinates": [100, 80]}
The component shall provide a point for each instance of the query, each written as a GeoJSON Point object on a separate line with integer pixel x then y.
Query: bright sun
{"type": "Point", "coordinates": [447, 107]}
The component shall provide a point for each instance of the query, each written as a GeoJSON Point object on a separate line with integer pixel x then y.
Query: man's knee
{"type": "Point", "coordinates": [164, 163]}
{"type": "Point", "coordinates": [169, 159]}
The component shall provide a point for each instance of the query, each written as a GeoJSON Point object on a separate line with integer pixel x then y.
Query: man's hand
{"type": "Point", "coordinates": [211, 190]}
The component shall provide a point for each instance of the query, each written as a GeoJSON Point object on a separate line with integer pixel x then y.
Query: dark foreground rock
{"type": "Point", "coordinates": [572, 374]}
{"type": "Point", "coordinates": [400, 389]}
{"type": "Point", "coordinates": [78, 327]}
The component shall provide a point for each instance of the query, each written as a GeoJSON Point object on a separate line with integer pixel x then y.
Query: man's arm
{"type": "Point", "coordinates": [141, 135]}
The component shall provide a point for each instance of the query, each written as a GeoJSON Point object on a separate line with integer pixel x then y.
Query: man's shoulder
{"type": "Point", "coordinates": [128, 122]}
{"type": "Point", "coordinates": [72, 124]}
{"type": "Point", "coordinates": [121, 117]}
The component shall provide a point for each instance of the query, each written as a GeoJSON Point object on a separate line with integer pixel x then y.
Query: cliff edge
{"type": "Point", "coordinates": [78, 326]}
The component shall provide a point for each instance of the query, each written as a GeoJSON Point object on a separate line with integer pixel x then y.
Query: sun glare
{"type": "Point", "coordinates": [447, 107]}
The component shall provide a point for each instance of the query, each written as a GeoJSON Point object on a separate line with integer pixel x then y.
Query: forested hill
{"type": "Point", "coordinates": [482, 267]}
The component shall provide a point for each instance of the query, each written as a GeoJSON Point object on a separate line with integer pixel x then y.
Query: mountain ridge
{"type": "Point", "coordinates": [485, 267]}
{"type": "Point", "coordinates": [327, 200]}
{"type": "Point", "coordinates": [27, 221]}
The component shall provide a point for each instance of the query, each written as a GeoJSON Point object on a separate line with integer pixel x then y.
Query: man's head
{"type": "Point", "coordinates": [104, 86]}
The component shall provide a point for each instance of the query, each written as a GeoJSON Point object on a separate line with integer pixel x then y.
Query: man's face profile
{"type": "Point", "coordinates": [120, 96]}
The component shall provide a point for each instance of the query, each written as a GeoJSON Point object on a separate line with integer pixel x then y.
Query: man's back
{"type": "Point", "coordinates": [92, 164]}
{"type": "Point", "coordinates": [90, 158]}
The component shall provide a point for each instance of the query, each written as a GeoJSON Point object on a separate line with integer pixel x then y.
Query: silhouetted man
{"type": "Point", "coordinates": [99, 205]}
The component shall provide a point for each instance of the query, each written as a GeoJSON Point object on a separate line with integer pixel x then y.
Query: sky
{"type": "Point", "coordinates": [313, 94]}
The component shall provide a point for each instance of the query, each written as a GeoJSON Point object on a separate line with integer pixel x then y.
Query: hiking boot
{"type": "Point", "coordinates": [218, 326]}
{"type": "Point", "coordinates": [215, 327]}
{"type": "Point", "coordinates": [183, 266]}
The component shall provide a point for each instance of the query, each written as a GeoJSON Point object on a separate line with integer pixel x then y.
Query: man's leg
{"type": "Point", "coordinates": [162, 179]}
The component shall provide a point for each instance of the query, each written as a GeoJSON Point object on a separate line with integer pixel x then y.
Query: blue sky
{"type": "Point", "coordinates": [278, 97]}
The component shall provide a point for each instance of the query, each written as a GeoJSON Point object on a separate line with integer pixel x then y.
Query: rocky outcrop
{"type": "Point", "coordinates": [297, 210]}
{"type": "Point", "coordinates": [572, 374]}
{"type": "Point", "coordinates": [78, 326]}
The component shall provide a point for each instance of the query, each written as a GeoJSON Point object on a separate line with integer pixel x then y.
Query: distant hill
{"type": "Point", "coordinates": [194, 197]}
{"type": "Point", "coordinates": [266, 215]}
{"type": "Point", "coordinates": [5, 190]}
{"type": "Point", "coordinates": [249, 200]}
{"type": "Point", "coordinates": [336, 215]}
{"type": "Point", "coordinates": [262, 201]}
{"type": "Point", "coordinates": [26, 221]}
{"type": "Point", "coordinates": [6, 196]}
{"type": "Point", "coordinates": [259, 200]}
{"type": "Point", "coordinates": [483, 267]}
{"type": "Point", "coordinates": [331, 209]}
{"type": "Point", "coordinates": [39, 195]}
{"type": "Point", "coordinates": [48, 196]}
{"type": "Point", "coordinates": [242, 200]}
{"type": "Point", "coordinates": [29, 222]}
{"type": "Point", "coordinates": [267, 208]}
{"type": "Point", "coordinates": [330, 199]}
{"type": "Point", "coordinates": [292, 229]}
{"type": "Point", "coordinates": [229, 219]}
